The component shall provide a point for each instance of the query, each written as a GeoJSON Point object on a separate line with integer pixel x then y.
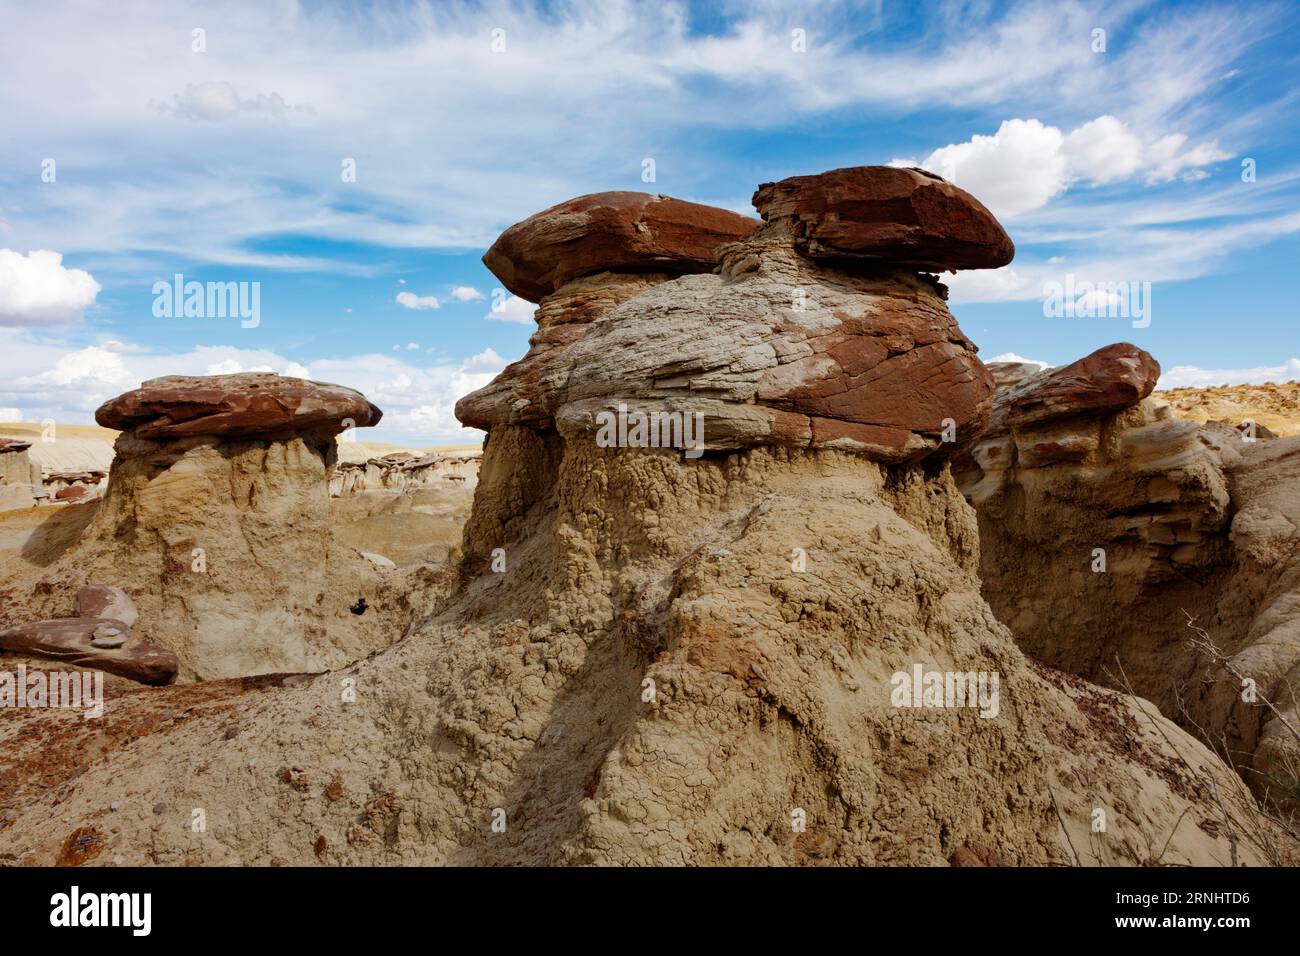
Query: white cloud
{"type": "Point", "coordinates": [993, 285]}
{"type": "Point", "coordinates": [88, 367]}
{"type": "Point", "coordinates": [1099, 302]}
{"type": "Point", "coordinates": [1013, 357]}
{"type": "Point", "coordinates": [1191, 376]}
{"type": "Point", "coordinates": [37, 289]}
{"type": "Point", "coordinates": [486, 362]}
{"type": "Point", "coordinates": [1120, 242]}
{"type": "Point", "coordinates": [1018, 168]}
{"type": "Point", "coordinates": [562, 91]}
{"type": "Point", "coordinates": [1102, 150]}
{"type": "Point", "coordinates": [1168, 159]}
{"type": "Point", "coordinates": [410, 300]}
{"type": "Point", "coordinates": [412, 346]}
{"type": "Point", "coordinates": [10, 415]}
{"type": "Point", "coordinates": [1027, 163]}
{"type": "Point", "coordinates": [214, 101]}
{"type": "Point", "coordinates": [465, 293]}
{"type": "Point", "coordinates": [513, 309]}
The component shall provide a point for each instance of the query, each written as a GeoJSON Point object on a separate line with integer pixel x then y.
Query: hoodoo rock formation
{"type": "Point", "coordinates": [1146, 520]}
{"type": "Point", "coordinates": [20, 478]}
{"type": "Point", "coordinates": [578, 260]}
{"type": "Point", "coordinates": [772, 652]}
{"type": "Point", "coordinates": [797, 353]}
{"type": "Point", "coordinates": [216, 519]}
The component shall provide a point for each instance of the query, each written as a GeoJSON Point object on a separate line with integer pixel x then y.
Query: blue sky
{"type": "Point", "coordinates": [224, 163]}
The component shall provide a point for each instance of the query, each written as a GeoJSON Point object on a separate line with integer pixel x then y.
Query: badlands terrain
{"type": "Point", "coordinates": [610, 645]}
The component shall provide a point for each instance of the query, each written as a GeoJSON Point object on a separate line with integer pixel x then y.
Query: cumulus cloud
{"type": "Point", "coordinates": [465, 293]}
{"type": "Point", "coordinates": [1102, 150]}
{"type": "Point", "coordinates": [37, 289]}
{"type": "Point", "coordinates": [91, 366]}
{"type": "Point", "coordinates": [513, 309]}
{"type": "Point", "coordinates": [486, 362]}
{"type": "Point", "coordinates": [418, 402]}
{"type": "Point", "coordinates": [1192, 376]}
{"type": "Point", "coordinates": [1027, 163]}
{"type": "Point", "coordinates": [1018, 168]}
{"type": "Point", "coordinates": [213, 101]}
{"type": "Point", "coordinates": [410, 300]}
{"type": "Point", "coordinates": [1013, 357]}
{"type": "Point", "coordinates": [227, 367]}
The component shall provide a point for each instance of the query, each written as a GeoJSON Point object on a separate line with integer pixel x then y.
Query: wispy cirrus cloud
{"type": "Point", "coordinates": [588, 88]}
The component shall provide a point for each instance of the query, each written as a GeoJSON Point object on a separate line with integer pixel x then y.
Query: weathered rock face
{"type": "Point", "coordinates": [1141, 520]}
{"type": "Point", "coordinates": [614, 231]}
{"type": "Point", "coordinates": [400, 472]}
{"type": "Point", "coordinates": [648, 679]}
{"type": "Point", "coordinates": [796, 353]}
{"type": "Point", "coordinates": [244, 405]}
{"type": "Point", "coordinates": [20, 480]}
{"type": "Point", "coordinates": [217, 520]}
{"type": "Point", "coordinates": [659, 659]}
{"type": "Point", "coordinates": [1109, 380]}
{"type": "Point", "coordinates": [100, 600]}
{"type": "Point", "coordinates": [528, 391]}
{"type": "Point", "coordinates": [904, 216]}
{"type": "Point", "coordinates": [793, 354]}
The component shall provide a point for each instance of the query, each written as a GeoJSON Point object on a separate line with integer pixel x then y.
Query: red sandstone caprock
{"type": "Point", "coordinates": [886, 213]}
{"type": "Point", "coordinates": [244, 405]}
{"type": "Point", "coordinates": [614, 231]}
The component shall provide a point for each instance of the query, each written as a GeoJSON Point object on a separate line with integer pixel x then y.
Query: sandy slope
{"type": "Point", "coordinates": [1276, 407]}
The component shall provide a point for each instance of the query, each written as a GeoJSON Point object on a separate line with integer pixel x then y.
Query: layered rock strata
{"type": "Point", "coordinates": [20, 479]}
{"type": "Point", "coordinates": [400, 472]}
{"type": "Point", "coordinates": [654, 658]}
{"type": "Point", "coordinates": [1142, 521]}
{"type": "Point", "coordinates": [217, 519]}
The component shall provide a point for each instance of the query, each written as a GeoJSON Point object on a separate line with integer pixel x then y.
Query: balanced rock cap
{"type": "Point", "coordinates": [1111, 379]}
{"type": "Point", "coordinates": [612, 231]}
{"type": "Point", "coordinates": [893, 214]}
{"type": "Point", "coordinates": [243, 405]}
